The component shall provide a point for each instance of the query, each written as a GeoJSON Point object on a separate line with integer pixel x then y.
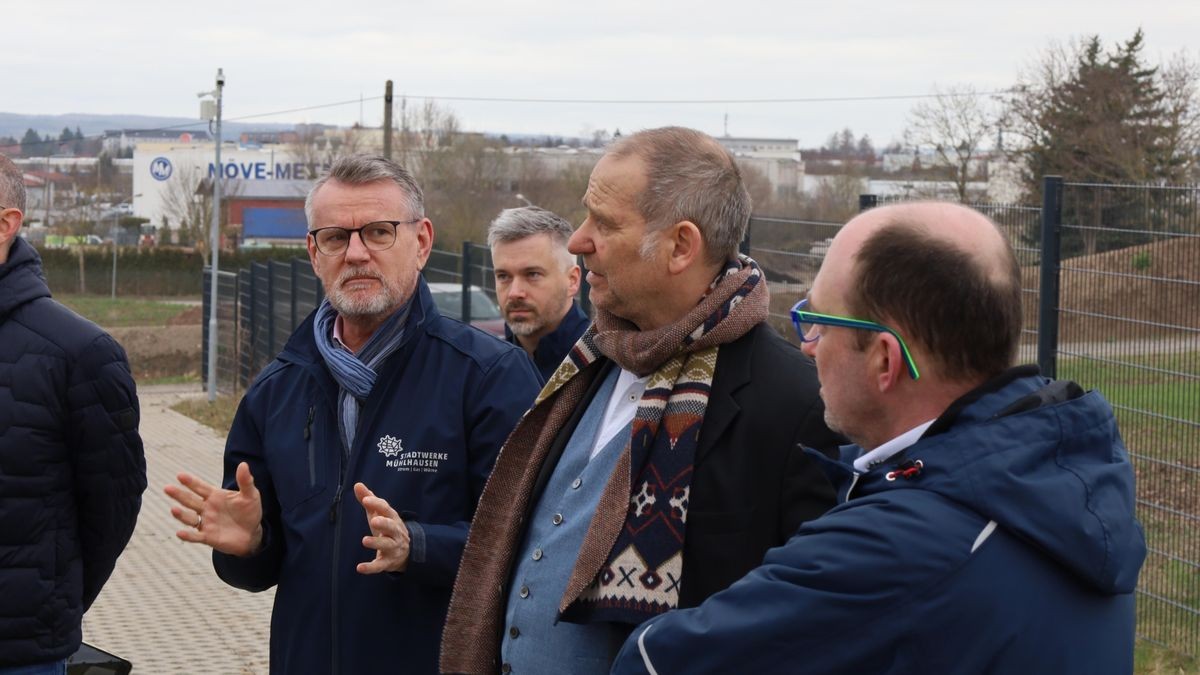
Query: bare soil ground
{"type": "Point", "coordinates": [161, 351]}
{"type": "Point", "coordinates": [1147, 291]}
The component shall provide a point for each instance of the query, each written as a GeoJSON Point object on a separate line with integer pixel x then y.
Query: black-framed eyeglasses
{"type": "Point", "coordinates": [379, 235]}
{"type": "Point", "coordinates": [806, 323]}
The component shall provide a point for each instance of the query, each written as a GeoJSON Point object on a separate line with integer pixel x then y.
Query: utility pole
{"type": "Point", "coordinates": [218, 178]}
{"type": "Point", "coordinates": [387, 120]}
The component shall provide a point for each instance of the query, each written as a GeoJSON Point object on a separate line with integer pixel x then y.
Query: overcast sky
{"type": "Point", "coordinates": [137, 56]}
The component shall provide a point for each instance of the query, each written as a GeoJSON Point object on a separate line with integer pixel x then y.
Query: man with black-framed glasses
{"type": "Point", "coordinates": [375, 399]}
{"type": "Point", "coordinates": [985, 519]}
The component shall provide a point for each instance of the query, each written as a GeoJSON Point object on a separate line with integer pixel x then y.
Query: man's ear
{"type": "Point", "coordinates": [424, 241]}
{"type": "Point", "coordinates": [10, 225]}
{"type": "Point", "coordinates": [887, 359]}
{"type": "Point", "coordinates": [687, 246]}
{"type": "Point", "coordinates": [311, 245]}
{"type": "Point", "coordinates": [573, 276]}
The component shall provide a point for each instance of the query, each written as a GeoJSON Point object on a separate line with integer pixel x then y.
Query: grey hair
{"type": "Point", "coordinates": [366, 169]}
{"type": "Point", "coordinates": [527, 221]}
{"type": "Point", "coordinates": [12, 185]}
{"type": "Point", "coordinates": [690, 176]}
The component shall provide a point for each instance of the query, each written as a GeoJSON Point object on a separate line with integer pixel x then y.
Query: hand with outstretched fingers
{"type": "Point", "coordinates": [389, 536]}
{"type": "Point", "coordinates": [230, 521]}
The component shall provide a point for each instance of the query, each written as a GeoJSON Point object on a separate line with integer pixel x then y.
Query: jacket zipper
{"type": "Point", "coordinates": [337, 537]}
{"type": "Point", "coordinates": [312, 447]}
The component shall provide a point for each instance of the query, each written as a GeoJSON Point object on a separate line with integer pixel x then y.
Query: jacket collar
{"type": "Point", "coordinates": [21, 277]}
{"type": "Point", "coordinates": [558, 341]}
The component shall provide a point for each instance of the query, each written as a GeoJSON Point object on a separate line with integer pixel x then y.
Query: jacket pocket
{"type": "Point", "coordinates": [302, 476]}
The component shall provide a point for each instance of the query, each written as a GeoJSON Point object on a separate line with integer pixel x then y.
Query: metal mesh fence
{"type": "Point", "coordinates": [790, 252]}
{"type": "Point", "coordinates": [1129, 326]}
{"type": "Point", "coordinates": [1127, 319]}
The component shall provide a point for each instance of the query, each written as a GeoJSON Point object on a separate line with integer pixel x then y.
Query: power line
{"type": "Point", "coordinates": [576, 101]}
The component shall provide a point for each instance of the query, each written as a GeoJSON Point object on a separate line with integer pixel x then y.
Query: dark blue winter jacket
{"type": "Point", "coordinates": [428, 434]}
{"type": "Point", "coordinates": [1012, 548]}
{"type": "Point", "coordinates": [72, 469]}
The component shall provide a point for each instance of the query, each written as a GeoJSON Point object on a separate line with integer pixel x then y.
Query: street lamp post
{"type": "Point", "coordinates": [218, 175]}
{"type": "Point", "coordinates": [114, 240]}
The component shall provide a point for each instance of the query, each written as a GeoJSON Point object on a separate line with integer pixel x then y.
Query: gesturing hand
{"type": "Point", "coordinates": [230, 521]}
{"type": "Point", "coordinates": [389, 537]}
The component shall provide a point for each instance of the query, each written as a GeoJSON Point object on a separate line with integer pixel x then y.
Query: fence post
{"type": "Point", "coordinates": [206, 299]}
{"type": "Point", "coordinates": [466, 282]}
{"type": "Point", "coordinates": [866, 202]}
{"type": "Point", "coordinates": [270, 307]}
{"type": "Point", "coordinates": [245, 325]}
{"type": "Point", "coordinates": [1052, 192]}
{"type": "Point", "coordinates": [294, 279]}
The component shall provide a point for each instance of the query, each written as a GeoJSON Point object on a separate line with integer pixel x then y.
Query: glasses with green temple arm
{"type": "Point", "coordinates": [806, 323]}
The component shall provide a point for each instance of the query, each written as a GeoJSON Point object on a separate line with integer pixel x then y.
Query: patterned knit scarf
{"type": "Point", "coordinates": [643, 510]}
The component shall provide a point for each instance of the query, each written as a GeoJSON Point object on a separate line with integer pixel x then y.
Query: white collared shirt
{"type": "Point", "coordinates": [337, 334]}
{"type": "Point", "coordinates": [884, 452]}
{"type": "Point", "coordinates": [622, 406]}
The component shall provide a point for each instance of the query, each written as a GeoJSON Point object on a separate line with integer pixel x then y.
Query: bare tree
{"type": "Point", "coordinates": [317, 147]}
{"type": "Point", "coordinates": [956, 124]}
{"type": "Point", "coordinates": [187, 202]}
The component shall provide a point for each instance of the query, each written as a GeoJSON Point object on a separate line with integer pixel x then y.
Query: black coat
{"type": "Point", "coordinates": [72, 470]}
{"type": "Point", "coordinates": [752, 485]}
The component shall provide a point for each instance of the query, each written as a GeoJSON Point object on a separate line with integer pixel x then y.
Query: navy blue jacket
{"type": "Point", "coordinates": [555, 345]}
{"type": "Point", "coordinates": [1013, 549]}
{"type": "Point", "coordinates": [428, 434]}
{"type": "Point", "coordinates": [72, 469]}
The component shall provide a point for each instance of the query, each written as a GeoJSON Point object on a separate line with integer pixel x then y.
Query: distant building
{"type": "Point", "coordinates": [776, 158]}
{"type": "Point", "coordinates": [767, 148]}
{"type": "Point", "coordinates": [123, 141]}
{"type": "Point", "coordinates": [267, 212]}
{"type": "Point", "coordinates": [163, 172]}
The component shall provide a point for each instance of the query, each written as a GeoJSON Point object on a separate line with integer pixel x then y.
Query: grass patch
{"type": "Point", "coordinates": [1156, 399]}
{"type": "Point", "coordinates": [217, 415]}
{"type": "Point", "coordinates": [186, 378]}
{"type": "Point", "coordinates": [1152, 659]}
{"type": "Point", "coordinates": [122, 312]}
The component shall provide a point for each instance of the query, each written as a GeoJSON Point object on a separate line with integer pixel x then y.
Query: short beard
{"type": "Point", "coordinates": [379, 305]}
{"type": "Point", "coordinates": [528, 326]}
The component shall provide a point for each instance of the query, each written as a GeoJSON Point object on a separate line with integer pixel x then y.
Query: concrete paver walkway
{"type": "Point", "coordinates": [164, 609]}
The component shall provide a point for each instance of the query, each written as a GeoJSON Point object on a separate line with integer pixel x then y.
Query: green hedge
{"type": "Point", "coordinates": [144, 271]}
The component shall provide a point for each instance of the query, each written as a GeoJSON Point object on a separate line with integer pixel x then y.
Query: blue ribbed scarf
{"type": "Point", "coordinates": [355, 373]}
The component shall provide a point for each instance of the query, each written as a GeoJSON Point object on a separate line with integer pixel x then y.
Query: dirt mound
{"type": "Point", "coordinates": [161, 351]}
{"type": "Point", "coordinates": [193, 315]}
{"type": "Point", "coordinates": [1142, 291]}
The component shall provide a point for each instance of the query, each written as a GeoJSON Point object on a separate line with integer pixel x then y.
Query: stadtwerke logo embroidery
{"type": "Point", "coordinates": [415, 461]}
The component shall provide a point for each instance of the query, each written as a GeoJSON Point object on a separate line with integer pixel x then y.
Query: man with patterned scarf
{"type": "Point", "coordinates": [357, 457]}
{"type": "Point", "coordinates": [663, 457]}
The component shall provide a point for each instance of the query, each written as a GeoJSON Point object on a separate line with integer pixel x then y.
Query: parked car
{"type": "Point", "coordinates": [485, 313]}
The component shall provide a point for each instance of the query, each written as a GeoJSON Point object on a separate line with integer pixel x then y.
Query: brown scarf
{"type": "Point", "coordinates": [737, 301]}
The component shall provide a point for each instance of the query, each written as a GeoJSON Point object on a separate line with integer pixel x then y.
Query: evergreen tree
{"type": "Point", "coordinates": [1096, 116]}
{"type": "Point", "coordinates": [31, 143]}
